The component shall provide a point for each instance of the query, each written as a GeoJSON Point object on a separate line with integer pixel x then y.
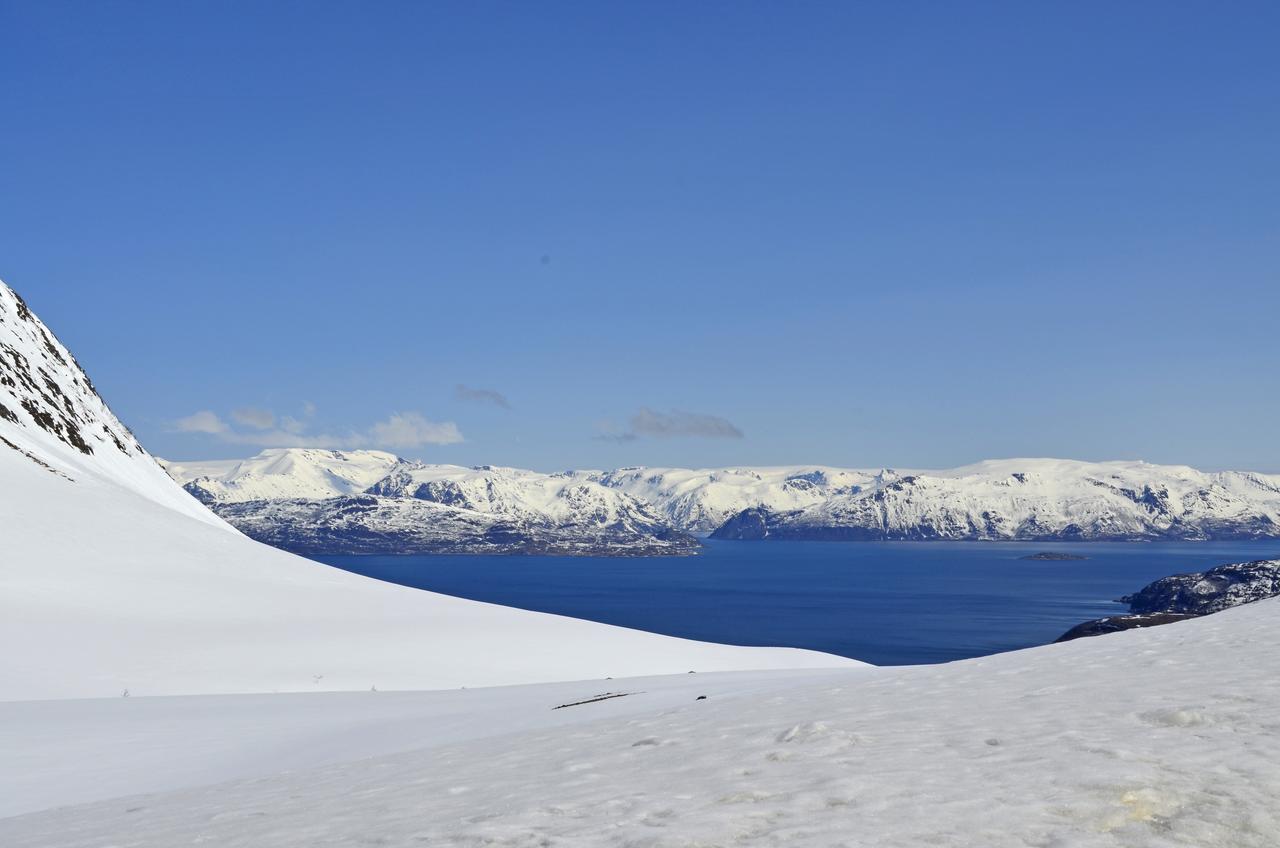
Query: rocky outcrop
{"type": "Point", "coordinates": [1183, 596]}
{"type": "Point", "coordinates": [1209, 591]}
{"type": "Point", "coordinates": [1116, 623]}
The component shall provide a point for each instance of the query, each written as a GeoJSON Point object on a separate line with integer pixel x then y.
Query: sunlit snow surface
{"type": "Point", "coordinates": [1168, 736]}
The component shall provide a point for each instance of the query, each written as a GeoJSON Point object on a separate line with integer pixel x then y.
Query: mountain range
{"type": "Point", "coordinates": [321, 501]}
{"type": "Point", "coordinates": [363, 502]}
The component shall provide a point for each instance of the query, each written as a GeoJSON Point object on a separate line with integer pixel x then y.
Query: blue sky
{"type": "Point", "coordinates": [598, 234]}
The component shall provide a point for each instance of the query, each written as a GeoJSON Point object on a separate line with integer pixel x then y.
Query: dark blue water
{"type": "Point", "coordinates": [889, 603]}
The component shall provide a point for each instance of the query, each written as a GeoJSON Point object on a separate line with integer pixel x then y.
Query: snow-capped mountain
{"type": "Point", "coordinates": [363, 502]}
{"type": "Point", "coordinates": [113, 579]}
{"type": "Point", "coordinates": [280, 473]}
{"type": "Point", "coordinates": [313, 501]}
{"type": "Point", "coordinates": [700, 500]}
{"type": "Point", "coordinates": [1033, 499]}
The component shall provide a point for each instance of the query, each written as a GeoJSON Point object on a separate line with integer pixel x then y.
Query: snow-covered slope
{"type": "Point", "coordinates": [113, 578]}
{"type": "Point", "coordinates": [1145, 739]}
{"type": "Point", "coordinates": [78, 750]}
{"type": "Point", "coordinates": [361, 502]}
{"type": "Point", "coordinates": [1033, 499]}
{"type": "Point", "coordinates": [280, 473]}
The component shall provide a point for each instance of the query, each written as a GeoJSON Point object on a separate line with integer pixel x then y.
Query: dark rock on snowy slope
{"type": "Point", "coordinates": [1116, 623]}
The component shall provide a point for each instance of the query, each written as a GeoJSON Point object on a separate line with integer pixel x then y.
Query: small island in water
{"type": "Point", "coordinates": [1053, 555]}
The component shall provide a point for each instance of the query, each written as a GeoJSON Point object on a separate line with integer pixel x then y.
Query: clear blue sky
{"type": "Point", "coordinates": [907, 234]}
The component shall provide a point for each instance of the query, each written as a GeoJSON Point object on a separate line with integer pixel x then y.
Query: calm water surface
{"type": "Point", "coordinates": [889, 603]}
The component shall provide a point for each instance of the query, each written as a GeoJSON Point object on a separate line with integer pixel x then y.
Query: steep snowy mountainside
{"type": "Point", "coordinates": [700, 500]}
{"type": "Point", "coordinates": [1035, 499]}
{"type": "Point", "coordinates": [112, 578]}
{"type": "Point", "coordinates": [284, 473]}
{"type": "Point", "coordinates": [51, 414]}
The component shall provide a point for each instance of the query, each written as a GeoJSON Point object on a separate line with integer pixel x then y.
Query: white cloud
{"type": "Point", "coordinates": [258, 419]}
{"type": "Point", "coordinates": [203, 421]}
{"type": "Point", "coordinates": [289, 424]}
{"type": "Point", "coordinates": [411, 430]}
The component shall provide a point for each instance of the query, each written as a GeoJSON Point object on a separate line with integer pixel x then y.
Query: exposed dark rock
{"type": "Point", "coordinates": [1184, 596]}
{"type": "Point", "coordinates": [1209, 591]}
{"type": "Point", "coordinates": [1116, 623]}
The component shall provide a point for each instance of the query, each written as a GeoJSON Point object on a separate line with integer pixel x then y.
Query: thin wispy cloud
{"type": "Point", "coordinates": [474, 395]}
{"type": "Point", "coordinates": [399, 431]}
{"type": "Point", "coordinates": [411, 430]}
{"type": "Point", "coordinates": [258, 419]}
{"type": "Point", "coordinates": [203, 421]}
{"type": "Point", "coordinates": [674, 424]}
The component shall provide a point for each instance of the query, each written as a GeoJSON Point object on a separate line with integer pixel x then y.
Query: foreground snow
{"type": "Point", "coordinates": [1161, 737]}
{"type": "Point", "coordinates": [57, 753]}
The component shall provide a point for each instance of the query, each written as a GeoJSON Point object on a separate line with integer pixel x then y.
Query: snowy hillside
{"type": "Point", "coordinates": [112, 578]}
{"type": "Point", "coordinates": [1033, 499]}
{"type": "Point", "coordinates": [1145, 739]}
